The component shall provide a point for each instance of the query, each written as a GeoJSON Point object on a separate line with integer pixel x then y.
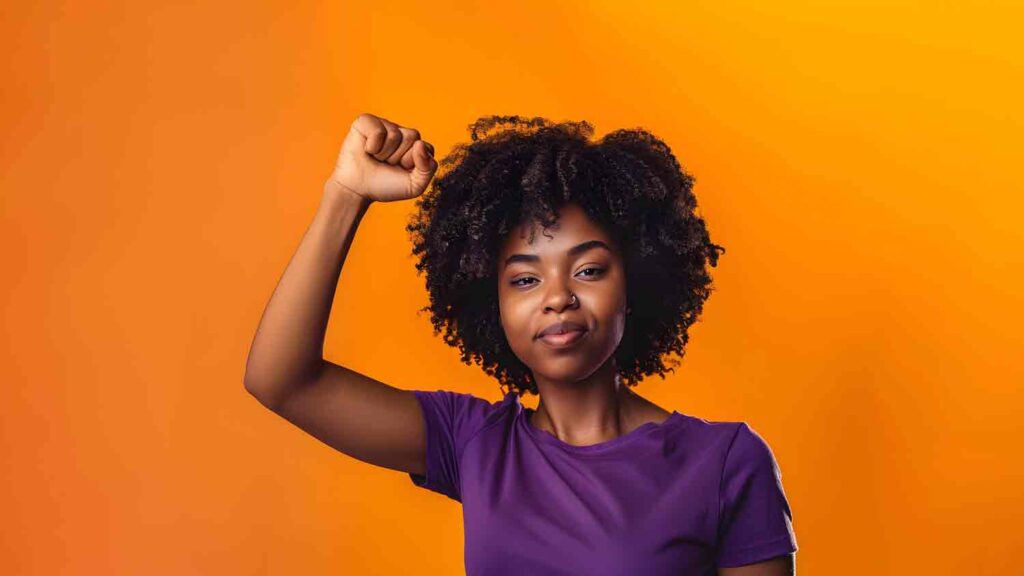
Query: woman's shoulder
{"type": "Point", "coordinates": [728, 436]}
{"type": "Point", "coordinates": [465, 411]}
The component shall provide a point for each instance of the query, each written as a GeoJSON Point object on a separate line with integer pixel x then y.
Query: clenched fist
{"type": "Point", "coordinates": [382, 161]}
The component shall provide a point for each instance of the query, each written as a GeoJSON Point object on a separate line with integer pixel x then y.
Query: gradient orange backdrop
{"type": "Point", "coordinates": [159, 165]}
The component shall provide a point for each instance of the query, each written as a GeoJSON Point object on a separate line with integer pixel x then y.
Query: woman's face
{"type": "Point", "coordinates": [535, 287]}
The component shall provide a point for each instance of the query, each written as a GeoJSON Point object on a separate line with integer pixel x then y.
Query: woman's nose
{"type": "Point", "coordinates": [560, 298]}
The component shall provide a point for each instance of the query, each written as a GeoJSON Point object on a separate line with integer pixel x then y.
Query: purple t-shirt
{"type": "Point", "coordinates": [681, 497]}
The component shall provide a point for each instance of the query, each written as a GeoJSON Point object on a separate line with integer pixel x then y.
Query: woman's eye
{"type": "Point", "coordinates": [596, 272]}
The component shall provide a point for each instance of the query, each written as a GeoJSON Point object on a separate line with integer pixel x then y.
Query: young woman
{"type": "Point", "coordinates": [567, 268]}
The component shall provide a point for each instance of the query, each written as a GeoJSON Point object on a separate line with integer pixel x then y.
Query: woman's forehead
{"type": "Point", "coordinates": [573, 226]}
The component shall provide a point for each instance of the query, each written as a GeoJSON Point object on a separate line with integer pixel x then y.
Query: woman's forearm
{"type": "Point", "coordinates": [288, 347]}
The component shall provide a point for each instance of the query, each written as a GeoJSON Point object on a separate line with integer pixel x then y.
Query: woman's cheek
{"type": "Point", "coordinates": [515, 325]}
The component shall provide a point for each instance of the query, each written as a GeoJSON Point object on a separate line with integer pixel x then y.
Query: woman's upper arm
{"type": "Point", "coordinates": [755, 519]}
{"type": "Point", "coordinates": [781, 566]}
{"type": "Point", "coordinates": [359, 416]}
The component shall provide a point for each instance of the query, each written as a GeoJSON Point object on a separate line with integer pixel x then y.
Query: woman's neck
{"type": "Point", "coordinates": [590, 411]}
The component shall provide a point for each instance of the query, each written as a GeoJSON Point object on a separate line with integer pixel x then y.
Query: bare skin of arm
{"type": "Point", "coordinates": [285, 370]}
{"type": "Point", "coordinates": [781, 566]}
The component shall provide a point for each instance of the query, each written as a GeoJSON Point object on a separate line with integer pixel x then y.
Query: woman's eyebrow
{"type": "Point", "coordinates": [575, 250]}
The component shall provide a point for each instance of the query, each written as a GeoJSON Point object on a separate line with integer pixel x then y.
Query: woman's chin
{"type": "Point", "coordinates": [568, 372]}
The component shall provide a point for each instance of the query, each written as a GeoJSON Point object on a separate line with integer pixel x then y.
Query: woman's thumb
{"type": "Point", "coordinates": [424, 167]}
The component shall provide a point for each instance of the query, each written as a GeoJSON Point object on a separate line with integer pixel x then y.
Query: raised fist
{"type": "Point", "coordinates": [382, 161]}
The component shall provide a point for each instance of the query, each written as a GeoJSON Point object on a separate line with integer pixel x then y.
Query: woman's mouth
{"type": "Point", "coordinates": [565, 340]}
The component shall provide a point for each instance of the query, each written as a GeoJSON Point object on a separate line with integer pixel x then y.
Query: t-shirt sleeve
{"type": "Point", "coordinates": [451, 420]}
{"type": "Point", "coordinates": [755, 521]}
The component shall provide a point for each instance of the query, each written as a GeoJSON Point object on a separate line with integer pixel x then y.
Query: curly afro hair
{"type": "Point", "coordinates": [519, 169]}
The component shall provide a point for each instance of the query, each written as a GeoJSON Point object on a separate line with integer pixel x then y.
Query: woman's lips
{"type": "Point", "coordinates": [564, 340]}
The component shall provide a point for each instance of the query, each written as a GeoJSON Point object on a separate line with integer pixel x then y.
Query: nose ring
{"type": "Point", "coordinates": [572, 300]}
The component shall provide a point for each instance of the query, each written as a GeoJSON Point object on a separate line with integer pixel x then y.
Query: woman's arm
{"type": "Point", "coordinates": [781, 566]}
{"type": "Point", "coordinates": [285, 370]}
{"type": "Point", "coordinates": [288, 347]}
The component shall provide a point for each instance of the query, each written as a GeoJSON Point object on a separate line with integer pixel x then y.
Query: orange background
{"type": "Point", "coordinates": [160, 165]}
